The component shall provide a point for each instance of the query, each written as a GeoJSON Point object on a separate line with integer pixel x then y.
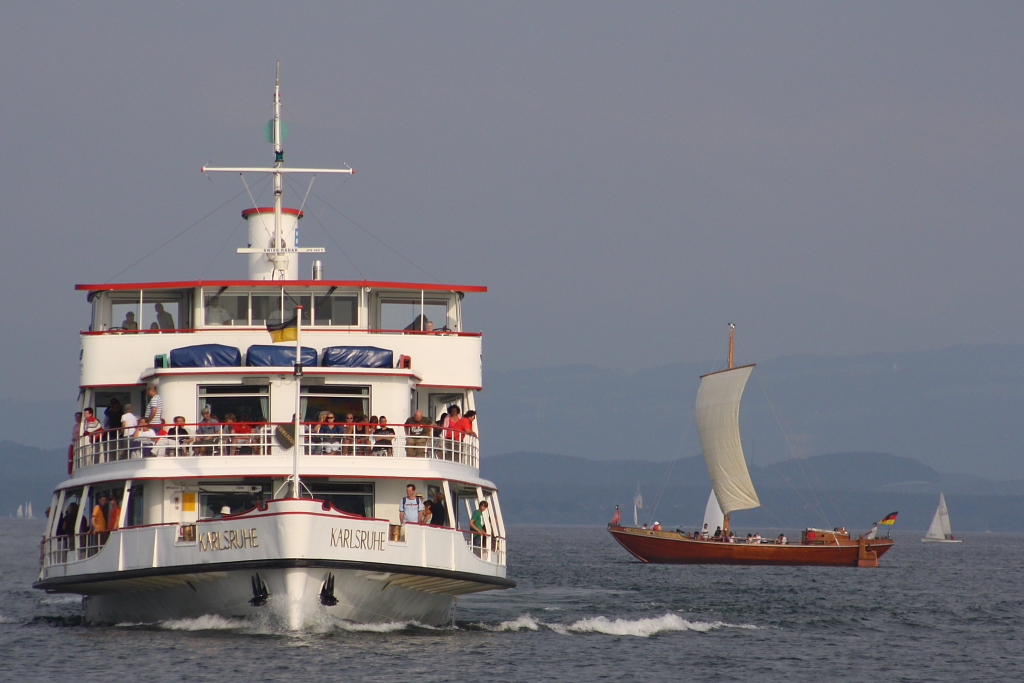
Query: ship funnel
{"type": "Point", "coordinates": [275, 266]}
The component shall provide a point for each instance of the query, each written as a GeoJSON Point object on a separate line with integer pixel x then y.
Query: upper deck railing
{"type": "Point", "coordinates": [249, 328]}
{"type": "Point", "coordinates": [225, 439]}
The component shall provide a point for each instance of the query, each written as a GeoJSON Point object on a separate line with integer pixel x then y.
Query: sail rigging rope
{"type": "Point", "coordinates": [176, 236]}
{"type": "Point", "coordinates": [316, 217]}
{"type": "Point", "coordinates": [378, 239]}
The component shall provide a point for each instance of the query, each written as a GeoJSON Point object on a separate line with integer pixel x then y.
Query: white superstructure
{"type": "Point", "coordinates": [237, 516]}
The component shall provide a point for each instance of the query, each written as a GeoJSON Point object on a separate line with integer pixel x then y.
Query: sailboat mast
{"type": "Point", "coordinates": [732, 332]}
{"type": "Point", "coordinates": [732, 340]}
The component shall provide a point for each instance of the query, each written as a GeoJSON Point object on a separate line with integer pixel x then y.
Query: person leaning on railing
{"type": "Point", "coordinates": [180, 437]}
{"type": "Point", "coordinates": [478, 527]}
{"type": "Point", "coordinates": [416, 430]}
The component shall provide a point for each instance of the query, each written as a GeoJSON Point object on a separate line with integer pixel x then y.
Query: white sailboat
{"type": "Point", "coordinates": [939, 531]}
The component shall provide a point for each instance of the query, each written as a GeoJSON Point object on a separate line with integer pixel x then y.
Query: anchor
{"type": "Point", "coordinates": [327, 592]}
{"type": "Point", "coordinates": [259, 592]}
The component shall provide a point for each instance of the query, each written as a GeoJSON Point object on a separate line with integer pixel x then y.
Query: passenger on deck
{"type": "Point", "coordinates": [90, 425]}
{"type": "Point", "coordinates": [243, 435]}
{"type": "Point", "coordinates": [440, 510]}
{"type": "Point", "coordinates": [155, 413]}
{"type": "Point", "coordinates": [144, 438]}
{"type": "Point", "coordinates": [416, 430]}
{"type": "Point", "coordinates": [112, 415]}
{"type": "Point", "coordinates": [99, 518]}
{"type": "Point", "coordinates": [207, 433]}
{"type": "Point", "coordinates": [750, 538]}
{"type": "Point", "coordinates": [216, 314]}
{"type": "Point", "coordinates": [411, 506]}
{"type": "Point", "coordinates": [163, 318]}
{"type": "Point", "coordinates": [428, 512]}
{"type": "Point", "coordinates": [180, 438]}
{"type": "Point", "coordinates": [382, 445]}
{"type": "Point", "coordinates": [128, 421]}
{"type": "Point", "coordinates": [873, 533]}
{"type": "Point", "coordinates": [782, 540]}
{"type": "Point", "coordinates": [348, 435]}
{"type": "Point", "coordinates": [76, 431]}
{"type": "Point", "coordinates": [331, 444]}
{"type": "Point", "coordinates": [129, 323]}
{"type": "Point", "coordinates": [361, 436]}
{"type": "Point", "coordinates": [228, 428]}
{"type": "Point", "coordinates": [477, 525]}
{"type": "Point", "coordinates": [153, 329]}
{"type": "Point", "coordinates": [657, 526]}
{"type": "Point", "coordinates": [705, 533]}
{"type": "Point", "coordinates": [718, 534]}
{"type": "Point", "coordinates": [757, 538]}
{"type": "Point", "coordinates": [113, 514]}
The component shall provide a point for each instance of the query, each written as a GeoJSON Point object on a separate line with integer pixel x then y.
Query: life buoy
{"type": "Point", "coordinates": [71, 458]}
{"type": "Point", "coordinates": [811, 535]}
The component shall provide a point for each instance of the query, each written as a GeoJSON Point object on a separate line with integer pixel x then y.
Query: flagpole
{"type": "Point", "coordinates": [296, 492]}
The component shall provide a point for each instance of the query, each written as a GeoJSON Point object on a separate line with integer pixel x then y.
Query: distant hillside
{"type": "Point", "coordinates": [955, 410]}
{"type": "Point", "coordinates": [851, 489]}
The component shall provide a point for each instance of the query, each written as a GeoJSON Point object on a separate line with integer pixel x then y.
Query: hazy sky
{"type": "Point", "coordinates": [835, 178]}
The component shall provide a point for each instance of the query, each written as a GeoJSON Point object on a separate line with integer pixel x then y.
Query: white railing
{"type": "Point", "coordinates": [488, 548]}
{"type": "Point", "coordinates": [72, 548]}
{"type": "Point", "coordinates": [230, 439]}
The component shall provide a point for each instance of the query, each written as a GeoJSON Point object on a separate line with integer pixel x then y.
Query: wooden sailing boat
{"type": "Point", "coordinates": [940, 531]}
{"type": "Point", "coordinates": [718, 415]}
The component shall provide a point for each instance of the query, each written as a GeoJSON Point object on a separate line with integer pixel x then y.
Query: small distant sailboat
{"type": "Point", "coordinates": [940, 531]}
{"type": "Point", "coordinates": [21, 512]}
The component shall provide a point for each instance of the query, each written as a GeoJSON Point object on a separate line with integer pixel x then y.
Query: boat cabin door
{"type": "Point", "coordinates": [439, 404]}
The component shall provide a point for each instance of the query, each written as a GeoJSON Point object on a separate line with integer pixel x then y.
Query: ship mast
{"type": "Point", "coordinates": [277, 252]}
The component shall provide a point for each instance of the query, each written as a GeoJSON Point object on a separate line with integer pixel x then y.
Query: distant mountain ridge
{"type": "Point", "coordinates": [848, 489]}
{"type": "Point", "coordinates": [956, 409]}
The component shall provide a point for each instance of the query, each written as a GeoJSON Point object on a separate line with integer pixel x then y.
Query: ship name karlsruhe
{"type": "Point", "coordinates": [228, 539]}
{"type": "Point", "coordinates": [358, 538]}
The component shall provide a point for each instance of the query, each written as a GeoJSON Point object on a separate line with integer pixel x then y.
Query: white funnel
{"type": "Point", "coordinates": [261, 236]}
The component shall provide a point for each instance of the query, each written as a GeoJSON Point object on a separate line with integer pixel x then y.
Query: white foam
{"type": "Point", "coordinates": [524, 622]}
{"type": "Point", "coordinates": [641, 628]}
{"type": "Point", "coordinates": [384, 627]}
{"type": "Point", "coordinates": [208, 622]}
{"type": "Point", "coordinates": [7, 620]}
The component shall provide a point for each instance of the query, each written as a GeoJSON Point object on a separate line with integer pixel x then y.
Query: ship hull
{"type": "Point", "coordinates": [293, 597]}
{"type": "Point", "coordinates": [294, 563]}
{"type": "Point", "coordinates": [664, 547]}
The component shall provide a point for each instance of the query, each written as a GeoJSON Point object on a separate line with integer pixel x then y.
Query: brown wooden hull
{"type": "Point", "coordinates": [667, 547]}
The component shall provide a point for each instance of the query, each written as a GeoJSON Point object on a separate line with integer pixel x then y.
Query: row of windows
{"type": "Point", "coordinates": [146, 311]}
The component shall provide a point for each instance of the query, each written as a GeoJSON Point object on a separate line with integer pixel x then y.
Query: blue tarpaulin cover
{"type": "Point", "coordinates": [263, 355]}
{"type": "Point", "coordinates": [206, 356]}
{"type": "Point", "coordinates": [358, 357]}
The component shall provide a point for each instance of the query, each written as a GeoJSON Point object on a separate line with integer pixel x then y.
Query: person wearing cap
{"type": "Point", "coordinates": [657, 526]}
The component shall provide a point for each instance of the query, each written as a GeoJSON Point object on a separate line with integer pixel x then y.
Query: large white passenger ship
{"type": "Point", "coordinates": [234, 515]}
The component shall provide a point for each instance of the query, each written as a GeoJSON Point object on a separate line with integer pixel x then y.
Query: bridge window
{"type": "Point", "coordinates": [355, 499]}
{"type": "Point", "coordinates": [414, 314]}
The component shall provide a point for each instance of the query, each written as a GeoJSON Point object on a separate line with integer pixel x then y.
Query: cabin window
{"type": "Point", "coordinates": [294, 299]}
{"type": "Point", "coordinates": [248, 403]}
{"type": "Point", "coordinates": [214, 498]}
{"type": "Point", "coordinates": [439, 404]}
{"type": "Point", "coordinates": [226, 309]}
{"type": "Point", "coordinates": [413, 314]}
{"type": "Point", "coordinates": [339, 400]}
{"type": "Point", "coordinates": [337, 310]}
{"type": "Point", "coordinates": [353, 498]}
{"type": "Point", "coordinates": [135, 515]}
{"type": "Point", "coordinates": [266, 308]}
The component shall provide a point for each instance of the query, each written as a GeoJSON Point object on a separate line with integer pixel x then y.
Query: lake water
{"type": "Point", "coordinates": [584, 610]}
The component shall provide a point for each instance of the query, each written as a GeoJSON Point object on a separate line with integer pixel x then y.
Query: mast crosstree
{"type": "Point", "coordinates": [277, 252]}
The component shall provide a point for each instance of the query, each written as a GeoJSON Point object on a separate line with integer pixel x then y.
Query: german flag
{"type": "Point", "coordinates": [284, 332]}
{"type": "Point", "coordinates": [890, 518]}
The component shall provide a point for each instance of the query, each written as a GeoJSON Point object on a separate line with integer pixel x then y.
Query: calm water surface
{"type": "Point", "coordinates": [584, 611]}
